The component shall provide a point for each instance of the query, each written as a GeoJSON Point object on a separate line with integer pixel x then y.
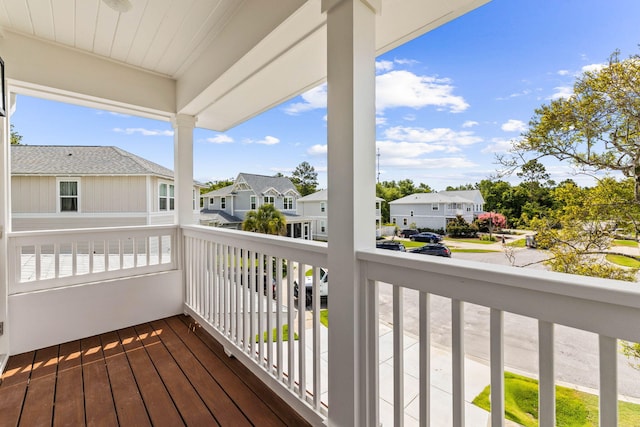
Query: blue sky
{"type": "Point", "coordinates": [447, 102]}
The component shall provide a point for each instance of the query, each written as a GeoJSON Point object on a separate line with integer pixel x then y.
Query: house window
{"type": "Point", "coordinates": [288, 203]}
{"type": "Point", "coordinates": [166, 201]}
{"type": "Point", "coordinates": [68, 192]}
{"type": "Point", "coordinates": [435, 207]}
{"type": "Point", "coordinates": [322, 207]}
{"type": "Point", "coordinates": [211, 201]}
{"type": "Point", "coordinates": [377, 205]}
{"type": "Point", "coordinates": [410, 213]}
{"type": "Point", "coordinates": [468, 208]}
{"type": "Point", "coordinates": [322, 229]}
{"type": "Point", "coordinates": [404, 221]}
{"type": "Point", "coordinates": [223, 202]}
{"type": "Point", "coordinates": [269, 200]}
{"type": "Point", "coordinates": [393, 220]}
{"type": "Point", "coordinates": [253, 201]}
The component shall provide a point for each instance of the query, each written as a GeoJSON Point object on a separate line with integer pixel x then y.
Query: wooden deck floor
{"type": "Point", "coordinates": [159, 373]}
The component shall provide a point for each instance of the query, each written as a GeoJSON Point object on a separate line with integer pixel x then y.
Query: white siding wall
{"type": "Point", "coordinates": [312, 210]}
{"type": "Point", "coordinates": [113, 194]}
{"type": "Point", "coordinates": [423, 215]}
{"type": "Point", "coordinates": [33, 194]}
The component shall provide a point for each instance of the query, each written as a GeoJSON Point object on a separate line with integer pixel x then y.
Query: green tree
{"type": "Point", "coordinates": [305, 178]}
{"type": "Point", "coordinates": [16, 138]}
{"type": "Point", "coordinates": [266, 220]}
{"type": "Point", "coordinates": [598, 128]}
{"type": "Point", "coordinates": [214, 185]}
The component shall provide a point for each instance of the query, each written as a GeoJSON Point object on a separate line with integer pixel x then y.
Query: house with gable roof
{"type": "Point", "coordinates": [315, 206]}
{"type": "Point", "coordinates": [227, 206]}
{"type": "Point", "coordinates": [435, 210]}
{"type": "Point", "coordinates": [64, 187]}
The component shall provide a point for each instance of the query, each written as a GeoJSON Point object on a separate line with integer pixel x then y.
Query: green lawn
{"type": "Point", "coordinates": [478, 241]}
{"type": "Point", "coordinates": [410, 244]}
{"type": "Point", "coordinates": [630, 243]}
{"type": "Point", "coordinates": [324, 317]}
{"type": "Point", "coordinates": [474, 251]}
{"type": "Point", "coordinates": [623, 261]}
{"type": "Point", "coordinates": [573, 408]}
{"type": "Point", "coordinates": [285, 334]}
{"type": "Point", "coordinates": [520, 243]}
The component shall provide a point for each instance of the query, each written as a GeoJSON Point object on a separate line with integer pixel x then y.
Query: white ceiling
{"type": "Point", "coordinates": [223, 61]}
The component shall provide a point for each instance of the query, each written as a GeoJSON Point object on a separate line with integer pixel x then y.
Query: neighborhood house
{"type": "Point", "coordinates": [226, 207]}
{"type": "Point", "coordinates": [435, 210]}
{"type": "Point", "coordinates": [63, 187]}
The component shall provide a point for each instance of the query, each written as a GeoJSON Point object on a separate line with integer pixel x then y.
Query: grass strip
{"type": "Point", "coordinates": [285, 335]}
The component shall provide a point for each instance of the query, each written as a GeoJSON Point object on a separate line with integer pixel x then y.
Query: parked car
{"type": "Point", "coordinates": [390, 245]}
{"type": "Point", "coordinates": [437, 249]}
{"type": "Point", "coordinates": [426, 236]}
{"type": "Point", "coordinates": [408, 233]}
{"type": "Point", "coordinates": [323, 285]}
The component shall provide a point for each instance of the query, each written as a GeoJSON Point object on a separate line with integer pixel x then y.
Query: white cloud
{"type": "Point", "coordinates": [563, 72]}
{"type": "Point", "coordinates": [381, 120]}
{"type": "Point", "coordinates": [470, 124]}
{"type": "Point", "coordinates": [591, 68]}
{"type": "Point", "coordinates": [442, 136]}
{"type": "Point", "coordinates": [144, 132]}
{"type": "Point", "coordinates": [524, 92]}
{"type": "Point", "coordinates": [514, 126]}
{"type": "Point", "coordinates": [384, 66]}
{"type": "Point", "coordinates": [398, 88]}
{"type": "Point", "coordinates": [562, 92]}
{"type": "Point", "coordinates": [402, 88]}
{"type": "Point", "coordinates": [220, 139]}
{"type": "Point", "coordinates": [406, 61]}
{"type": "Point", "coordinates": [268, 140]}
{"type": "Point", "coordinates": [311, 100]}
{"type": "Point", "coordinates": [317, 150]}
{"type": "Point", "coordinates": [409, 117]}
{"type": "Point", "coordinates": [498, 145]}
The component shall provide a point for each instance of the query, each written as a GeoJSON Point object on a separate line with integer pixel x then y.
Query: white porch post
{"type": "Point", "coordinates": [351, 183]}
{"type": "Point", "coordinates": [183, 166]}
{"type": "Point", "coordinates": [5, 224]}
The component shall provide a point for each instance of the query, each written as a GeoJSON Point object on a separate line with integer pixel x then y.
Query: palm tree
{"type": "Point", "coordinates": [267, 220]}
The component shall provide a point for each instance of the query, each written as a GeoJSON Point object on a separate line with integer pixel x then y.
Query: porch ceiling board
{"type": "Point", "coordinates": [223, 61]}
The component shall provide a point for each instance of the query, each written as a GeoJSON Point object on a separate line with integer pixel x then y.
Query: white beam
{"type": "Point", "coordinates": [70, 75]}
{"type": "Point", "coordinates": [351, 179]}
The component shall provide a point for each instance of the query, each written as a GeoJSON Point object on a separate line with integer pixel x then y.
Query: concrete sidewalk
{"type": "Point", "coordinates": [477, 377]}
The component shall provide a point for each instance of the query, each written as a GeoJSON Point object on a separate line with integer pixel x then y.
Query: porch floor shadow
{"type": "Point", "coordinates": [163, 373]}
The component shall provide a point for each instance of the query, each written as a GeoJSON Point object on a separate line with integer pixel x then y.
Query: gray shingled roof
{"type": "Point", "coordinates": [261, 183]}
{"type": "Point", "coordinates": [323, 196]}
{"type": "Point", "coordinates": [223, 191]}
{"type": "Point", "coordinates": [80, 160]}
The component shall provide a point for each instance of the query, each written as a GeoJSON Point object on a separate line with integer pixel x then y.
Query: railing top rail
{"type": "Point", "coordinates": [599, 305]}
{"type": "Point", "coordinates": [302, 250]}
{"type": "Point", "coordinates": [97, 230]}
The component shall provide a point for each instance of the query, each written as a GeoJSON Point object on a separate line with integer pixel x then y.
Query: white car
{"type": "Point", "coordinates": [308, 285]}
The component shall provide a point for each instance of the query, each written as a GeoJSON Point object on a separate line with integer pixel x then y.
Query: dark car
{"type": "Point", "coordinates": [426, 236]}
{"type": "Point", "coordinates": [437, 249]}
{"type": "Point", "coordinates": [390, 245]}
{"type": "Point", "coordinates": [408, 233]}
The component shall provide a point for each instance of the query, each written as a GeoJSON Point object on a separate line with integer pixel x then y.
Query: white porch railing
{"type": "Point", "coordinates": [240, 287]}
{"type": "Point", "coordinates": [50, 259]}
{"type": "Point", "coordinates": [608, 308]}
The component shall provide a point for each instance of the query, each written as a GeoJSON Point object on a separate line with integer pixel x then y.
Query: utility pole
{"type": "Point", "coordinates": [378, 166]}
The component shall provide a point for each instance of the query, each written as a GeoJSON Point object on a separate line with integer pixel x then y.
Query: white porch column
{"type": "Point", "coordinates": [5, 223]}
{"type": "Point", "coordinates": [183, 166]}
{"type": "Point", "coordinates": [351, 183]}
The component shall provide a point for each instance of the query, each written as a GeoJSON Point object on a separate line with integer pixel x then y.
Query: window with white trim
{"type": "Point", "coordinates": [393, 220]}
{"type": "Point", "coordinates": [69, 194]}
{"type": "Point", "coordinates": [223, 202]}
{"type": "Point", "coordinates": [253, 201]}
{"type": "Point", "coordinates": [211, 200]}
{"type": "Point", "coordinates": [377, 206]}
{"type": "Point", "coordinates": [269, 200]}
{"type": "Point", "coordinates": [410, 213]}
{"type": "Point", "coordinates": [288, 203]}
{"type": "Point", "coordinates": [435, 207]}
{"type": "Point", "coordinates": [322, 207]}
{"type": "Point", "coordinates": [404, 221]}
{"type": "Point", "coordinates": [322, 227]}
{"type": "Point", "coordinates": [166, 197]}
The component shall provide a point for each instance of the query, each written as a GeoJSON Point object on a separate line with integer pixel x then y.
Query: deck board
{"type": "Point", "coordinates": [157, 373]}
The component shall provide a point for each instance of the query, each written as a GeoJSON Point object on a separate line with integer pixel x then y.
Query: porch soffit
{"type": "Point", "coordinates": [223, 61]}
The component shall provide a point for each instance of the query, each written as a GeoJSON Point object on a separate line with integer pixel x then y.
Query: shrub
{"type": "Point", "coordinates": [458, 227]}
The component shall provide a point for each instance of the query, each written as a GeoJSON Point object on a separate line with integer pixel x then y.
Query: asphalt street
{"type": "Point", "coordinates": [576, 351]}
